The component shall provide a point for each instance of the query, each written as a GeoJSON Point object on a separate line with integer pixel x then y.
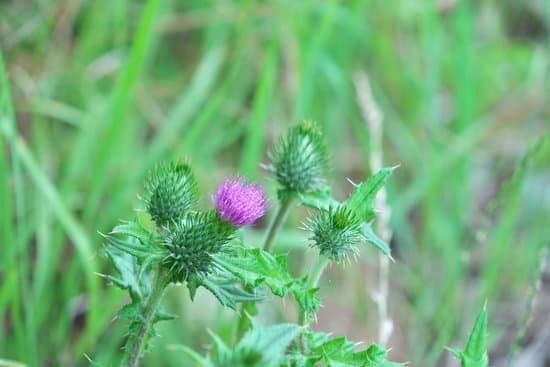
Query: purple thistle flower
{"type": "Point", "coordinates": [240, 203]}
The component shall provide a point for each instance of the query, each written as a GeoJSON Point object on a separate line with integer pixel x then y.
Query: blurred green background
{"type": "Point", "coordinates": [94, 93]}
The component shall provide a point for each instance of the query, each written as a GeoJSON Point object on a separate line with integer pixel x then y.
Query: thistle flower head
{"type": "Point", "coordinates": [239, 203]}
{"type": "Point", "coordinates": [191, 242]}
{"type": "Point", "coordinates": [300, 160]}
{"type": "Point", "coordinates": [336, 231]}
{"type": "Point", "coordinates": [171, 192]}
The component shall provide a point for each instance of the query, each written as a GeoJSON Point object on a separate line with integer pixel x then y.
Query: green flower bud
{"type": "Point", "coordinates": [171, 192]}
{"type": "Point", "coordinates": [191, 242]}
{"type": "Point", "coordinates": [336, 231]}
{"type": "Point", "coordinates": [300, 160]}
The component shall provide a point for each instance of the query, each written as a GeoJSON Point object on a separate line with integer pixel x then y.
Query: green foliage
{"type": "Point", "coordinates": [226, 288]}
{"type": "Point", "coordinates": [361, 201]}
{"type": "Point", "coordinates": [320, 199]}
{"type": "Point", "coordinates": [260, 347]}
{"type": "Point", "coordinates": [371, 237]}
{"type": "Point", "coordinates": [171, 192]}
{"type": "Point", "coordinates": [255, 267]}
{"type": "Point", "coordinates": [300, 160]}
{"type": "Point", "coordinates": [339, 352]}
{"type": "Point", "coordinates": [475, 353]}
{"type": "Point", "coordinates": [132, 277]}
{"type": "Point", "coordinates": [134, 239]}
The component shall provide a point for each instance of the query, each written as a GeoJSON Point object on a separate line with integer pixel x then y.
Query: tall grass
{"type": "Point", "coordinates": [94, 93]}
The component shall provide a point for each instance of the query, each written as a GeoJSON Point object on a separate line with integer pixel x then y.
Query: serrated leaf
{"type": "Point", "coordinates": [376, 356]}
{"type": "Point", "coordinates": [260, 347]}
{"type": "Point", "coordinates": [475, 353]}
{"type": "Point", "coordinates": [255, 266]}
{"type": "Point", "coordinates": [320, 199]}
{"type": "Point", "coordinates": [307, 299]}
{"type": "Point", "coordinates": [340, 352]}
{"type": "Point", "coordinates": [128, 271]}
{"type": "Point", "coordinates": [136, 230]}
{"type": "Point", "coordinates": [227, 289]}
{"type": "Point", "coordinates": [134, 239]}
{"type": "Point", "coordinates": [361, 201]}
{"type": "Point", "coordinates": [162, 315]}
{"type": "Point", "coordinates": [130, 311]}
{"type": "Point", "coordinates": [128, 245]}
{"type": "Point", "coordinates": [372, 238]}
{"type": "Point", "coordinates": [135, 277]}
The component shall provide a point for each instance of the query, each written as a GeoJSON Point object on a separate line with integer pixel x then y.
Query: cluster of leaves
{"type": "Point", "coordinates": [238, 274]}
{"type": "Point", "coordinates": [132, 278]}
{"type": "Point", "coordinates": [268, 347]}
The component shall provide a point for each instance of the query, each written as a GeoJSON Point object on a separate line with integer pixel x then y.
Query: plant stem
{"type": "Point", "coordinates": [135, 341]}
{"type": "Point", "coordinates": [277, 222]}
{"type": "Point", "coordinates": [274, 228]}
{"type": "Point", "coordinates": [312, 281]}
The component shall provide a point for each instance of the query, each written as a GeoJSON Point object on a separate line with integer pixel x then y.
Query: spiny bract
{"type": "Point", "coordinates": [191, 242]}
{"type": "Point", "coordinates": [171, 192]}
{"type": "Point", "coordinates": [300, 160]}
{"type": "Point", "coordinates": [336, 231]}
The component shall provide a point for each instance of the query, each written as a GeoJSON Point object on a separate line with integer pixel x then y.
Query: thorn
{"type": "Point", "coordinates": [351, 182]}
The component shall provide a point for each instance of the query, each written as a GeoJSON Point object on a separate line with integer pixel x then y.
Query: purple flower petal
{"type": "Point", "coordinates": [240, 203]}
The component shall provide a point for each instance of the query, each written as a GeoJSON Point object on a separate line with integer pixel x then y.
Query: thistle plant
{"type": "Point", "coordinates": [299, 163]}
{"type": "Point", "coordinates": [171, 192]}
{"type": "Point", "coordinates": [300, 160]}
{"type": "Point", "coordinates": [174, 241]}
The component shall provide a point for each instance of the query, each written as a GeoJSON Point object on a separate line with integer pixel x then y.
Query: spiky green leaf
{"type": "Point", "coordinates": [319, 199]}
{"type": "Point", "coordinates": [307, 298]}
{"type": "Point", "coordinates": [227, 289]}
{"type": "Point", "coordinates": [475, 353]}
{"type": "Point", "coordinates": [362, 199]}
{"type": "Point", "coordinates": [260, 347]}
{"type": "Point", "coordinates": [372, 238]}
{"type": "Point", "coordinates": [128, 273]}
{"type": "Point", "coordinates": [135, 277]}
{"type": "Point", "coordinates": [340, 352]}
{"type": "Point", "coordinates": [255, 267]}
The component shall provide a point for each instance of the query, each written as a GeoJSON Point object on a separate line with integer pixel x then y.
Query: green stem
{"type": "Point", "coordinates": [274, 227]}
{"type": "Point", "coordinates": [135, 341]}
{"type": "Point", "coordinates": [312, 281]}
{"type": "Point", "coordinates": [277, 222]}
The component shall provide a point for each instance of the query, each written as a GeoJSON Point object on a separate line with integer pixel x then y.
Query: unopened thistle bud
{"type": "Point", "coordinates": [239, 203]}
{"type": "Point", "coordinates": [191, 242]}
{"type": "Point", "coordinates": [171, 192]}
{"type": "Point", "coordinates": [300, 160]}
{"type": "Point", "coordinates": [336, 232]}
